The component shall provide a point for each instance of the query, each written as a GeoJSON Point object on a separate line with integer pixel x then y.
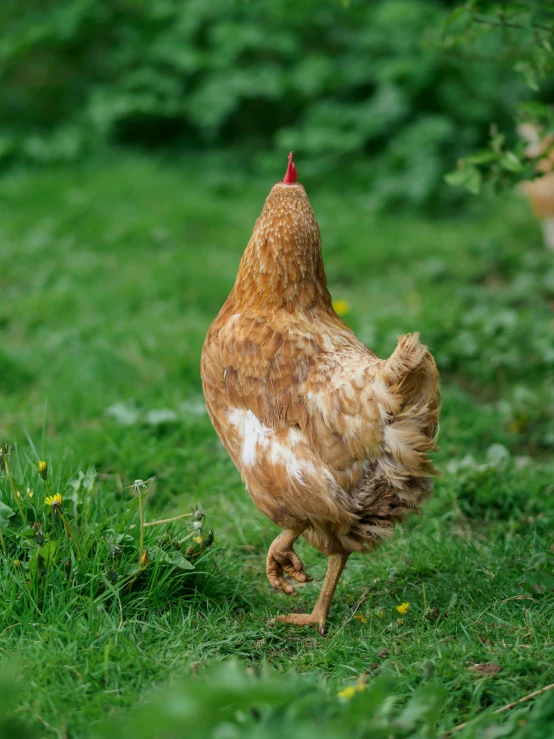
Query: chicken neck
{"type": "Point", "coordinates": [282, 265]}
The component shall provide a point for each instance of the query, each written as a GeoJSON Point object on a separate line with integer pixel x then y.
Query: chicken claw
{"type": "Point", "coordinates": [281, 560]}
{"type": "Point", "coordinates": [303, 619]}
{"type": "Point", "coordinates": [318, 617]}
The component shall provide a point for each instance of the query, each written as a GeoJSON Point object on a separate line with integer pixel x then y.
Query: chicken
{"type": "Point", "coordinates": [331, 441]}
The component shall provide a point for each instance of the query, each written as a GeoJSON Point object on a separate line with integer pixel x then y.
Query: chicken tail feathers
{"type": "Point", "coordinates": [412, 379]}
{"type": "Point", "coordinates": [412, 376]}
{"type": "Point", "coordinates": [407, 357]}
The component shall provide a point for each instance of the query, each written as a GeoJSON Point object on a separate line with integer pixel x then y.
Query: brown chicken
{"type": "Point", "coordinates": [330, 440]}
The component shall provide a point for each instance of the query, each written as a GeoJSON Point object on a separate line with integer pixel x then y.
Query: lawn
{"type": "Point", "coordinates": [109, 278]}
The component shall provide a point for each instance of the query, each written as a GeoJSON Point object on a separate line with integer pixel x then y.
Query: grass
{"type": "Point", "coordinates": [110, 276]}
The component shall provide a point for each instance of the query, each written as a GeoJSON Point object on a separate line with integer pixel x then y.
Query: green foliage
{"type": "Point", "coordinates": [79, 551]}
{"type": "Point", "coordinates": [229, 701]}
{"type": "Point", "coordinates": [362, 85]}
{"type": "Point", "coordinates": [237, 703]}
{"type": "Point", "coordinates": [518, 34]}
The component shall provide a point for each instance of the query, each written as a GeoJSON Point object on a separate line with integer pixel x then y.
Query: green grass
{"type": "Point", "coordinates": [110, 276]}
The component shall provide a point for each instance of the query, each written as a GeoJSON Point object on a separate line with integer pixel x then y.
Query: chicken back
{"type": "Point", "coordinates": [331, 441]}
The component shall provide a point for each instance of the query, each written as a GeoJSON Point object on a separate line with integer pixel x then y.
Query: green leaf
{"type": "Point", "coordinates": [466, 176]}
{"type": "Point", "coordinates": [27, 533]}
{"type": "Point", "coordinates": [534, 109]}
{"type": "Point", "coordinates": [48, 551]}
{"type": "Point", "coordinates": [482, 157]}
{"type": "Point", "coordinates": [529, 75]}
{"type": "Point", "coordinates": [173, 558]}
{"type": "Point", "coordinates": [178, 560]}
{"type": "Point", "coordinates": [497, 142]}
{"type": "Point", "coordinates": [511, 162]}
{"type": "Point", "coordinates": [5, 514]}
{"type": "Point", "coordinates": [453, 17]}
{"type": "Point", "coordinates": [89, 479]}
{"type": "Point", "coordinates": [425, 706]}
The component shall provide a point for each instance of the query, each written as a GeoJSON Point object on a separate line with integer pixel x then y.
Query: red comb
{"type": "Point", "coordinates": [291, 175]}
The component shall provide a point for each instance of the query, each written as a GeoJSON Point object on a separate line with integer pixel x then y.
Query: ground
{"type": "Point", "coordinates": [110, 276]}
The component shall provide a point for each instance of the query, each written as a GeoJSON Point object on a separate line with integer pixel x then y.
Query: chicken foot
{"type": "Point", "coordinates": [318, 617]}
{"type": "Point", "coordinates": [281, 559]}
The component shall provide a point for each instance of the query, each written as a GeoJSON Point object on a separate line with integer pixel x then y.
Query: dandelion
{"type": "Point", "coordinates": [341, 307]}
{"type": "Point", "coordinates": [197, 518]}
{"type": "Point", "coordinates": [199, 540]}
{"type": "Point", "coordinates": [54, 500]}
{"type": "Point", "coordinates": [5, 450]}
{"type": "Point", "coordinates": [361, 618]}
{"type": "Point", "coordinates": [350, 691]}
{"type": "Point", "coordinates": [42, 469]}
{"type": "Point", "coordinates": [139, 487]}
{"type": "Point", "coordinates": [403, 608]}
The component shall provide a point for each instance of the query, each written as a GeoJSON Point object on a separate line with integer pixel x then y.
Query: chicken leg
{"type": "Point", "coordinates": [318, 616]}
{"type": "Point", "coordinates": [282, 558]}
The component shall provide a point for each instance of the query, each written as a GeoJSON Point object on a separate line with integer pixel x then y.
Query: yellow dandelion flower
{"type": "Point", "coordinates": [360, 617]}
{"type": "Point", "coordinates": [54, 500]}
{"type": "Point", "coordinates": [199, 539]}
{"type": "Point", "coordinates": [42, 469]}
{"type": "Point", "coordinates": [341, 307]}
{"type": "Point", "coordinates": [350, 691]}
{"type": "Point", "coordinates": [403, 608]}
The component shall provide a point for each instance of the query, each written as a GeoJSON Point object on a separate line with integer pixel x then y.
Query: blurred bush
{"type": "Point", "coordinates": [362, 85]}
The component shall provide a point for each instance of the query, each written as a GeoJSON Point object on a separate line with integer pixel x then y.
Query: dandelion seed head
{"type": "Point", "coordinates": [139, 485]}
{"type": "Point", "coordinates": [5, 449]}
